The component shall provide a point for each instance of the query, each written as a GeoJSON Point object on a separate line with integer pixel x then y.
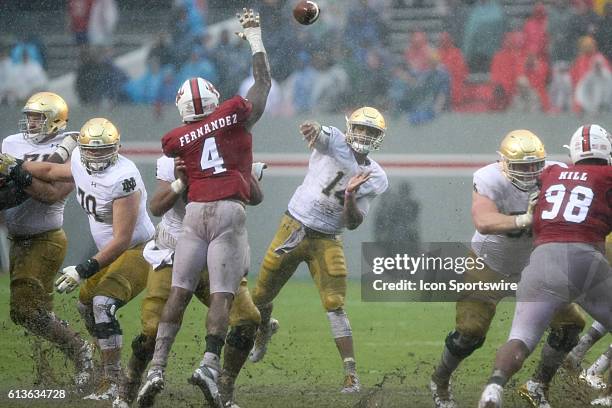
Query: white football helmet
{"type": "Point", "coordinates": [196, 99]}
{"type": "Point", "coordinates": [590, 142]}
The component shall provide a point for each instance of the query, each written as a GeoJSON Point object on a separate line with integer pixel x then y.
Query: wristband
{"type": "Point", "coordinates": [523, 220]}
{"type": "Point", "coordinates": [253, 36]}
{"type": "Point", "coordinates": [348, 194]}
{"type": "Point", "coordinates": [88, 268]}
{"type": "Point", "coordinates": [65, 148]}
{"type": "Point", "coordinates": [178, 186]}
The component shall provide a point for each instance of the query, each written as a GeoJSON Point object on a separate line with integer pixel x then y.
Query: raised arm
{"type": "Point", "coordinates": [258, 93]}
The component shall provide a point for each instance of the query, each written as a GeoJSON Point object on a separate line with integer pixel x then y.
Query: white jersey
{"type": "Point", "coordinates": [32, 217]}
{"type": "Point", "coordinates": [95, 192]}
{"type": "Point", "coordinates": [160, 250]}
{"type": "Point", "coordinates": [318, 202]}
{"type": "Point", "coordinates": [507, 254]}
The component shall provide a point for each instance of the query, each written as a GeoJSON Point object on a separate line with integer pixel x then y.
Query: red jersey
{"type": "Point", "coordinates": [218, 152]}
{"type": "Point", "coordinates": [574, 204]}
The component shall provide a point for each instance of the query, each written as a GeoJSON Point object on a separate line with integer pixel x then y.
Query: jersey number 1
{"type": "Point", "coordinates": [210, 156]}
{"type": "Point", "coordinates": [577, 206]}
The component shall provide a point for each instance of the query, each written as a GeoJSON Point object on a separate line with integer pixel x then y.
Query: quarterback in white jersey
{"type": "Point", "coordinates": [336, 193]}
{"type": "Point", "coordinates": [110, 190]}
{"type": "Point", "coordinates": [502, 203]}
{"type": "Point", "coordinates": [34, 212]}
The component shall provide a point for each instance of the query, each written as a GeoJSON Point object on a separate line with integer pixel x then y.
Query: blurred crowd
{"type": "Point", "coordinates": [556, 60]}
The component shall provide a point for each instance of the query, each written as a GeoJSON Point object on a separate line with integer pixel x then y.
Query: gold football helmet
{"type": "Point", "coordinates": [522, 157]}
{"type": "Point", "coordinates": [365, 130]}
{"type": "Point", "coordinates": [99, 144]}
{"type": "Point", "coordinates": [44, 114]}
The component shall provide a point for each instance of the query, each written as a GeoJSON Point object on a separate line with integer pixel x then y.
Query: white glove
{"type": "Point", "coordinates": [257, 170]}
{"type": "Point", "coordinates": [249, 20]}
{"type": "Point", "coordinates": [69, 280]}
{"type": "Point", "coordinates": [523, 220]}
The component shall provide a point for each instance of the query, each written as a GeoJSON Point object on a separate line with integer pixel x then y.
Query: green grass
{"type": "Point", "coordinates": [397, 345]}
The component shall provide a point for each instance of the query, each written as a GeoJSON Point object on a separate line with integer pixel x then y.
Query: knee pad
{"type": "Point", "coordinates": [104, 311]}
{"type": "Point", "coordinates": [339, 322]}
{"type": "Point", "coordinates": [333, 302]}
{"type": "Point", "coordinates": [462, 346]}
{"type": "Point", "coordinates": [143, 347]}
{"type": "Point", "coordinates": [241, 337]}
{"type": "Point", "coordinates": [564, 338]}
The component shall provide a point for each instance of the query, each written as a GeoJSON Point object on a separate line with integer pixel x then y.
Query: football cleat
{"type": "Point", "coordinates": [150, 389]}
{"type": "Point", "coordinates": [206, 378]}
{"type": "Point", "coordinates": [605, 401]}
{"type": "Point", "coordinates": [106, 391]}
{"type": "Point", "coordinates": [351, 384]}
{"type": "Point", "coordinates": [442, 395]}
{"type": "Point", "coordinates": [535, 393]}
{"type": "Point", "coordinates": [593, 380]}
{"type": "Point", "coordinates": [84, 366]}
{"type": "Point", "coordinates": [491, 396]}
{"type": "Point", "coordinates": [262, 339]}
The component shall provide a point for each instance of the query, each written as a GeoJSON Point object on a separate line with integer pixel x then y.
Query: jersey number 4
{"type": "Point", "coordinates": [210, 156]}
{"type": "Point", "coordinates": [576, 207]}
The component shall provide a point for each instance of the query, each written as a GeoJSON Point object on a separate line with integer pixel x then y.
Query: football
{"type": "Point", "coordinates": [306, 12]}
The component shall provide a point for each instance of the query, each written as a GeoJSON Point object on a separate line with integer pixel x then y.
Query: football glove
{"type": "Point", "coordinates": [249, 20]}
{"type": "Point", "coordinates": [7, 164]}
{"type": "Point", "coordinates": [69, 280]}
{"type": "Point", "coordinates": [257, 170]}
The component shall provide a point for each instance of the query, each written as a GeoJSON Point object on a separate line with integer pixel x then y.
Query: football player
{"type": "Point", "coordinates": [570, 224]}
{"type": "Point", "coordinates": [112, 193]}
{"type": "Point", "coordinates": [595, 333]}
{"type": "Point", "coordinates": [341, 182]}
{"type": "Point", "coordinates": [215, 144]}
{"type": "Point", "coordinates": [169, 202]}
{"type": "Point", "coordinates": [34, 217]}
{"type": "Point", "coordinates": [501, 211]}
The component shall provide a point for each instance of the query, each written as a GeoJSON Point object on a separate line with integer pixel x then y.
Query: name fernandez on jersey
{"type": "Point", "coordinates": [217, 151]}
{"type": "Point", "coordinates": [205, 129]}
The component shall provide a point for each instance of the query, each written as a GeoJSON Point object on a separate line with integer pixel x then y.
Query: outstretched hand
{"type": "Point", "coordinates": [248, 19]}
{"type": "Point", "coordinates": [356, 181]}
{"type": "Point", "coordinates": [310, 130]}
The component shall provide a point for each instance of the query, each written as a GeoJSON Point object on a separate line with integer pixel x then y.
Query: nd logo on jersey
{"type": "Point", "coordinates": [129, 184]}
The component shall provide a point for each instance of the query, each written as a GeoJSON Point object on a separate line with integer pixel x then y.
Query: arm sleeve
{"type": "Point", "coordinates": [322, 143]}
{"type": "Point", "coordinates": [127, 184]}
{"type": "Point", "coordinates": [482, 187]}
{"type": "Point", "coordinates": [363, 203]}
{"type": "Point", "coordinates": [170, 145]}
{"type": "Point", "coordinates": [165, 169]}
{"type": "Point", "coordinates": [241, 107]}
